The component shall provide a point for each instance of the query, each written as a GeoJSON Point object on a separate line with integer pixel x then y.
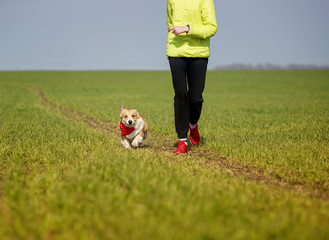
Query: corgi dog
{"type": "Point", "coordinates": [133, 128]}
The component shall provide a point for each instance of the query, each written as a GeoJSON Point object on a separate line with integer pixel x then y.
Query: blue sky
{"type": "Point", "coordinates": [131, 35]}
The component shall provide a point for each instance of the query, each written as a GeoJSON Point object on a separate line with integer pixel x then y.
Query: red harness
{"type": "Point", "coordinates": [125, 130]}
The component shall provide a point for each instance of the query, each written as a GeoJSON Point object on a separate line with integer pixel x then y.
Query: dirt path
{"type": "Point", "coordinates": [203, 157]}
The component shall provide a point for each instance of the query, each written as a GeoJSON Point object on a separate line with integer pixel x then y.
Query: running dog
{"type": "Point", "coordinates": [133, 128]}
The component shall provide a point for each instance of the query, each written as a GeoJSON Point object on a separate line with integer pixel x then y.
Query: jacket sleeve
{"type": "Point", "coordinates": [209, 26]}
{"type": "Point", "coordinates": [169, 15]}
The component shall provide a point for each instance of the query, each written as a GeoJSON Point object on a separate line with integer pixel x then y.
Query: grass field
{"type": "Point", "coordinates": [260, 172]}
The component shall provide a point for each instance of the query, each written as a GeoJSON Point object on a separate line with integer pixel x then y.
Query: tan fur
{"type": "Point", "coordinates": [132, 118]}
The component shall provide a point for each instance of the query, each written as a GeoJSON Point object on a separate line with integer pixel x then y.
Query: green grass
{"type": "Point", "coordinates": [61, 179]}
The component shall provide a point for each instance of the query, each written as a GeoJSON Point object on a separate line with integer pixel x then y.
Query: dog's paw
{"type": "Point", "coordinates": [126, 144]}
{"type": "Point", "coordinates": [136, 144]}
{"type": "Point", "coordinates": [137, 141]}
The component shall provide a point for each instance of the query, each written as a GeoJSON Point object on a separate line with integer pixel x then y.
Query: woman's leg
{"type": "Point", "coordinates": [178, 67]}
{"type": "Point", "coordinates": [196, 77]}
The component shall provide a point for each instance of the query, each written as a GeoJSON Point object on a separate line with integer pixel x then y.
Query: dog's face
{"type": "Point", "coordinates": [129, 117]}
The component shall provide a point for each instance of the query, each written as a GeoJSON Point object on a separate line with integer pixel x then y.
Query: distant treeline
{"type": "Point", "coordinates": [270, 66]}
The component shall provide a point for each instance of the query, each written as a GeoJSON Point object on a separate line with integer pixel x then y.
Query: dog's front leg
{"type": "Point", "coordinates": [137, 141]}
{"type": "Point", "coordinates": [125, 142]}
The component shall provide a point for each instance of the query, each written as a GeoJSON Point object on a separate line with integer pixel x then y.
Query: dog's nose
{"type": "Point", "coordinates": [130, 121]}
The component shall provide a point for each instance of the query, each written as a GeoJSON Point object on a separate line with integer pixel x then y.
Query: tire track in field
{"type": "Point", "coordinates": [205, 157]}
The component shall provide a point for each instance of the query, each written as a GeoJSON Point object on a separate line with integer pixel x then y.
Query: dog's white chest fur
{"type": "Point", "coordinates": [138, 127]}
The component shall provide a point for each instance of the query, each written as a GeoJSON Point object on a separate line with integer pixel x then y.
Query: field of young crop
{"type": "Point", "coordinates": [260, 172]}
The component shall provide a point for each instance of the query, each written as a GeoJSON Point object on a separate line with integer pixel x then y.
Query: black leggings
{"type": "Point", "coordinates": [188, 77]}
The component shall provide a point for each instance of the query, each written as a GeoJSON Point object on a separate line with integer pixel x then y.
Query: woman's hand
{"type": "Point", "coordinates": [178, 30]}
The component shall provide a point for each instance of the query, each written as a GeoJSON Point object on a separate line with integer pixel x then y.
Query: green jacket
{"type": "Point", "coordinates": [201, 18]}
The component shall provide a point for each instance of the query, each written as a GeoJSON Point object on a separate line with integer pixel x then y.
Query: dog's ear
{"type": "Point", "coordinates": [138, 114]}
{"type": "Point", "coordinates": [121, 109]}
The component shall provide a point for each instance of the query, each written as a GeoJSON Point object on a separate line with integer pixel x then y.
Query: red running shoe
{"type": "Point", "coordinates": [194, 135]}
{"type": "Point", "coordinates": [182, 148]}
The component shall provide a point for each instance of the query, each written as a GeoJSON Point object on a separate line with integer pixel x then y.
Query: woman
{"type": "Point", "coordinates": [190, 26]}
